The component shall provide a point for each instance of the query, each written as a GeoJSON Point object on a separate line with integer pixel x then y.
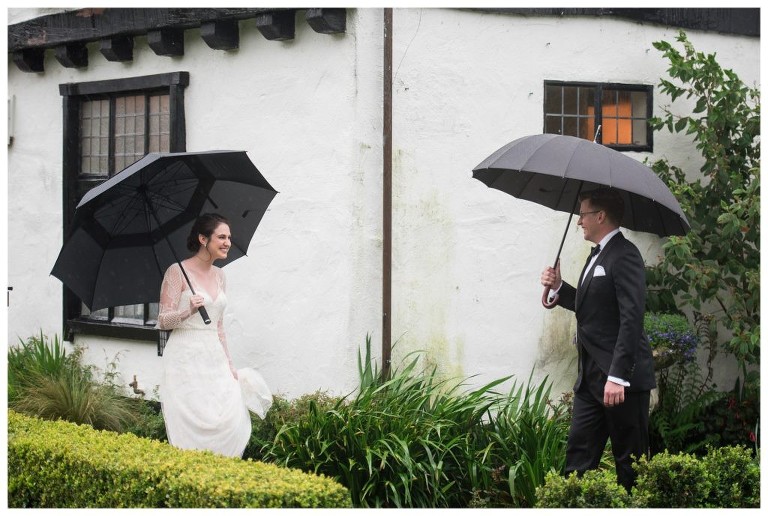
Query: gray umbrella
{"type": "Point", "coordinates": [552, 170]}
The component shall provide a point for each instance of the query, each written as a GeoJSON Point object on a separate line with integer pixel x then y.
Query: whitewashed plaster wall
{"type": "Point", "coordinates": [308, 112]}
{"type": "Point", "coordinates": [466, 259]}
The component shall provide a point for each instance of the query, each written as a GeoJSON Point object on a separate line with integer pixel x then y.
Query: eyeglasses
{"type": "Point", "coordinates": [582, 213]}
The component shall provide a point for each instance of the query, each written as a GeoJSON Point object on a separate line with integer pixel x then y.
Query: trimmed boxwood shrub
{"type": "Point", "coordinates": [61, 464]}
{"type": "Point", "coordinates": [738, 477]}
{"type": "Point", "coordinates": [672, 481]}
{"type": "Point", "coordinates": [727, 477]}
{"type": "Point", "coordinates": [596, 488]}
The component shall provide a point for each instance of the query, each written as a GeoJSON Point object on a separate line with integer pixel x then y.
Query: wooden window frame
{"type": "Point", "coordinates": [73, 94]}
{"type": "Point", "coordinates": [598, 88]}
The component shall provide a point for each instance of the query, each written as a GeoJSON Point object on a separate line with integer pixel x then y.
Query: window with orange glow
{"type": "Point", "coordinates": [621, 112]}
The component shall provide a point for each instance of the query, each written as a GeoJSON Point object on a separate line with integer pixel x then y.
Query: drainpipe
{"type": "Point", "coordinates": [386, 333]}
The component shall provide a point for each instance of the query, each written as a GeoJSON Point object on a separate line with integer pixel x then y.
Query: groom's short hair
{"type": "Point", "coordinates": [607, 199]}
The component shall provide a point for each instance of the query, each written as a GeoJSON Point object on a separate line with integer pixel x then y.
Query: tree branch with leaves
{"type": "Point", "coordinates": [715, 268]}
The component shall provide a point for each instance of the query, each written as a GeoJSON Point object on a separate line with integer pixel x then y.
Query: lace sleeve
{"type": "Point", "coordinates": [220, 328]}
{"type": "Point", "coordinates": [171, 315]}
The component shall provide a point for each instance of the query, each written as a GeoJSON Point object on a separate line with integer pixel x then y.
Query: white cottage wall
{"type": "Point", "coordinates": [308, 112]}
{"type": "Point", "coordinates": [466, 259]}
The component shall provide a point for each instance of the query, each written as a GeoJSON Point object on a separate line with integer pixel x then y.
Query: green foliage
{"type": "Point", "coordinates": [149, 422]}
{"type": "Point", "coordinates": [48, 383]}
{"type": "Point", "coordinates": [38, 355]}
{"type": "Point", "coordinates": [416, 440]}
{"type": "Point", "coordinates": [595, 489]}
{"type": "Point", "coordinates": [726, 477]}
{"type": "Point", "coordinates": [738, 477]}
{"type": "Point", "coordinates": [733, 419]}
{"type": "Point", "coordinates": [532, 433]}
{"type": "Point", "coordinates": [672, 481]}
{"type": "Point", "coordinates": [63, 465]}
{"type": "Point", "coordinates": [283, 412]}
{"type": "Point", "coordinates": [715, 268]}
{"type": "Point", "coordinates": [692, 413]}
{"type": "Point", "coordinates": [677, 422]}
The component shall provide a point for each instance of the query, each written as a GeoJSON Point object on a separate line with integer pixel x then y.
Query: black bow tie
{"type": "Point", "coordinates": [595, 250]}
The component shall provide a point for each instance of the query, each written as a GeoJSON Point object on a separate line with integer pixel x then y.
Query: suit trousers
{"type": "Point", "coordinates": [593, 423]}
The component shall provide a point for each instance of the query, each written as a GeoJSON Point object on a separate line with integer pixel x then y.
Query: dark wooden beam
{"type": "Point", "coordinates": [145, 82]}
{"type": "Point", "coordinates": [221, 35]}
{"type": "Point", "coordinates": [327, 21]}
{"type": "Point", "coordinates": [86, 25]}
{"type": "Point", "coordinates": [166, 42]}
{"type": "Point", "coordinates": [30, 59]}
{"type": "Point", "coordinates": [278, 25]}
{"type": "Point", "coordinates": [119, 48]}
{"type": "Point", "coordinates": [73, 55]}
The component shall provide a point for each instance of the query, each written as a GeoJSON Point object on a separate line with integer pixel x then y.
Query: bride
{"type": "Point", "coordinates": [204, 399]}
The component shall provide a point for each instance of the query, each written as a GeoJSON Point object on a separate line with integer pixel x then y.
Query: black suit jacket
{"type": "Point", "coordinates": [610, 309]}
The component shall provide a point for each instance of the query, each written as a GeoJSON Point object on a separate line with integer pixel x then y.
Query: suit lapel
{"type": "Point", "coordinates": [583, 289]}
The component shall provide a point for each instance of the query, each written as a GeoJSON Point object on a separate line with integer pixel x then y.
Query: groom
{"type": "Point", "coordinates": [612, 390]}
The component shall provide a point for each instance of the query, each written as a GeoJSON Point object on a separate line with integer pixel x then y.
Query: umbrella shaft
{"type": "Point", "coordinates": [148, 202]}
{"type": "Point", "coordinates": [570, 218]}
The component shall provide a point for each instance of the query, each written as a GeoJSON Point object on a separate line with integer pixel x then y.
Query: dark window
{"type": "Point", "coordinates": [621, 112]}
{"type": "Point", "coordinates": [108, 125]}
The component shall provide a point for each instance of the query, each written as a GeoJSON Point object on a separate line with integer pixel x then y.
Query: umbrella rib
{"type": "Point", "coordinates": [148, 218]}
{"type": "Point", "coordinates": [123, 209]}
{"type": "Point", "coordinates": [632, 209]}
{"type": "Point", "coordinates": [525, 183]}
{"type": "Point", "coordinates": [662, 218]}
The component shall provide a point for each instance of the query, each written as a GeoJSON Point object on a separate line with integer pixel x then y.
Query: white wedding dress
{"type": "Point", "coordinates": [204, 406]}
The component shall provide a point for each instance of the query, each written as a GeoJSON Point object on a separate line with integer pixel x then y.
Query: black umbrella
{"type": "Point", "coordinates": [552, 170]}
{"type": "Point", "coordinates": [128, 230]}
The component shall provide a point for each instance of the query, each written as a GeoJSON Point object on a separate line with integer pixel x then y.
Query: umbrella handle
{"type": "Point", "coordinates": [549, 305]}
{"type": "Point", "coordinates": [204, 315]}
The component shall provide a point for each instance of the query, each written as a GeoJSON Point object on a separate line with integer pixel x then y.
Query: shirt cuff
{"type": "Point", "coordinates": [553, 292]}
{"type": "Point", "coordinates": [619, 381]}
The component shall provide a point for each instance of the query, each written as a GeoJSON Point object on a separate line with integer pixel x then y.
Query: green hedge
{"type": "Point", "coordinates": [727, 477]}
{"type": "Point", "coordinates": [597, 488]}
{"type": "Point", "coordinates": [61, 464]}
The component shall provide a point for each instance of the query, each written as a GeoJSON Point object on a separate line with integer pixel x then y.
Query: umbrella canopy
{"type": "Point", "coordinates": [128, 230]}
{"type": "Point", "coordinates": [552, 170]}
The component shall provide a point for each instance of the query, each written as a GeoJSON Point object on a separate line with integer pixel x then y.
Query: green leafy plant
{"type": "Point", "coordinates": [35, 355]}
{"type": "Point", "coordinates": [692, 412]}
{"type": "Point", "coordinates": [595, 489]}
{"type": "Point", "coordinates": [715, 268]}
{"type": "Point", "coordinates": [727, 477]}
{"type": "Point", "coordinates": [677, 422]}
{"type": "Point", "coordinates": [733, 418]}
{"type": "Point", "coordinates": [51, 384]}
{"type": "Point", "coordinates": [418, 440]}
{"type": "Point", "coordinates": [400, 444]}
{"type": "Point", "coordinates": [148, 422]}
{"type": "Point", "coordinates": [672, 481]}
{"type": "Point", "coordinates": [737, 475]}
{"type": "Point", "coordinates": [531, 433]}
{"type": "Point", "coordinates": [282, 412]}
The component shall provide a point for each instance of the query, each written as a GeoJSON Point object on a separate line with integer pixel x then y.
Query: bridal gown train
{"type": "Point", "coordinates": [204, 406]}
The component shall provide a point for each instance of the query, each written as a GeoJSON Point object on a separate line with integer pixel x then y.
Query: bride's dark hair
{"type": "Point", "coordinates": [205, 225]}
